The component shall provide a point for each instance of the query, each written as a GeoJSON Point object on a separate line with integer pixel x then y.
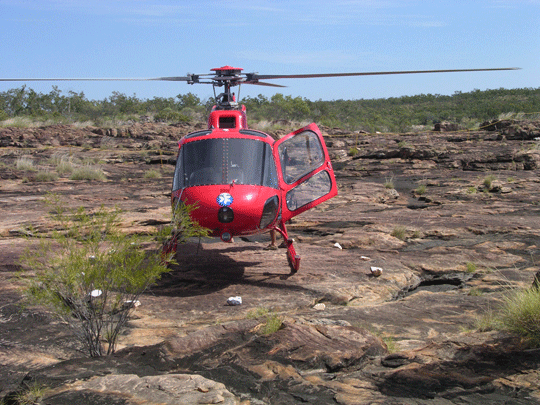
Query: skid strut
{"type": "Point", "coordinates": [292, 257]}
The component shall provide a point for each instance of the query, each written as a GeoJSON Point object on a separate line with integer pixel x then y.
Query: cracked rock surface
{"type": "Point", "coordinates": [452, 219]}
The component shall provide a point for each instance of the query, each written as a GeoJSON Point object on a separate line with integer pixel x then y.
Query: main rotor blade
{"type": "Point", "coordinates": [110, 79]}
{"type": "Point", "coordinates": [255, 76]}
{"type": "Point", "coordinates": [257, 83]}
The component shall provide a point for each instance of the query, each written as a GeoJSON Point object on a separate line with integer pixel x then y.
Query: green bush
{"type": "Point", "coordinates": [90, 274]}
{"type": "Point", "coordinates": [64, 166]}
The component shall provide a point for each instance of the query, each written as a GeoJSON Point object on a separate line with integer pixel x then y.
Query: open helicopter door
{"type": "Point", "coordinates": [306, 177]}
{"type": "Point", "coordinates": [305, 174]}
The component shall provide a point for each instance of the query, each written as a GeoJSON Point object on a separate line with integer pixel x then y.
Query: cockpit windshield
{"type": "Point", "coordinates": [224, 161]}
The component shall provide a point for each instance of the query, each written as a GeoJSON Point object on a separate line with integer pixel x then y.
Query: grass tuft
{"type": "Point", "coordinates": [471, 267]}
{"type": "Point", "coordinates": [88, 172]}
{"type": "Point", "coordinates": [520, 314]}
{"type": "Point", "coordinates": [272, 325]}
{"type": "Point", "coordinates": [488, 181]}
{"type": "Point", "coordinates": [421, 189]}
{"type": "Point", "coordinates": [45, 176]}
{"type": "Point", "coordinates": [64, 166]}
{"type": "Point", "coordinates": [152, 174]}
{"type": "Point", "coordinates": [25, 163]}
{"type": "Point", "coordinates": [399, 232]}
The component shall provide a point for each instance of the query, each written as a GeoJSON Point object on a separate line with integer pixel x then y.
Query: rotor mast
{"type": "Point", "coordinates": [227, 77]}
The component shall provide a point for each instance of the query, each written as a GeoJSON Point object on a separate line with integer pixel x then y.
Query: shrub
{"type": "Point", "coordinates": [273, 321]}
{"type": "Point", "coordinates": [32, 394]}
{"type": "Point", "coordinates": [90, 275]}
{"type": "Point", "coordinates": [353, 151]}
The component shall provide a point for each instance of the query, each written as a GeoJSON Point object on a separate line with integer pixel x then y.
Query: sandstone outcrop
{"type": "Point", "coordinates": [451, 218]}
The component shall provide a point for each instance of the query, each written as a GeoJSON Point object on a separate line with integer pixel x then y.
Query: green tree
{"type": "Point", "coordinates": [188, 100]}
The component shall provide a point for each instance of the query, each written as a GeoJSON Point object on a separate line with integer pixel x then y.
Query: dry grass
{"type": "Point", "coordinates": [25, 163]}
{"type": "Point", "coordinates": [88, 172]}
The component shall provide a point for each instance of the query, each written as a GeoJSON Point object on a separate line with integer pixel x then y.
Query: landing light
{"type": "Point", "coordinates": [225, 215]}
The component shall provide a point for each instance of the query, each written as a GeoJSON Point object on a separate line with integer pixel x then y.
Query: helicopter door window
{"type": "Point", "coordinates": [300, 155]}
{"type": "Point", "coordinates": [313, 188]}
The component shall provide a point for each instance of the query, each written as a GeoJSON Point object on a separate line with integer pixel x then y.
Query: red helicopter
{"type": "Point", "coordinates": [242, 180]}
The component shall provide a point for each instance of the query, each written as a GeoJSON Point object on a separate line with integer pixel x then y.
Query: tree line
{"type": "Point", "coordinates": [397, 114]}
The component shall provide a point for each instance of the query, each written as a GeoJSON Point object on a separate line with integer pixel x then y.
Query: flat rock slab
{"type": "Point", "coordinates": [452, 221]}
{"type": "Point", "coordinates": [170, 389]}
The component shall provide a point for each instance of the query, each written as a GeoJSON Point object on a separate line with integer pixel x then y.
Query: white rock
{"type": "Point", "coordinates": [95, 293]}
{"type": "Point", "coordinates": [234, 301]}
{"type": "Point", "coordinates": [337, 245]}
{"type": "Point", "coordinates": [130, 304]}
{"type": "Point", "coordinates": [319, 307]}
{"type": "Point", "coordinates": [376, 271]}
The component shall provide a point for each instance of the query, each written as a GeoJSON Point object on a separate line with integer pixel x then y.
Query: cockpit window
{"type": "Point", "coordinates": [224, 161]}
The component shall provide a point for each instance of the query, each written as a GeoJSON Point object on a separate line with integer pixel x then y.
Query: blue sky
{"type": "Point", "coordinates": [152, 38]}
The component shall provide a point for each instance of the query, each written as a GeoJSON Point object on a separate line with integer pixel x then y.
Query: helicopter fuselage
{"type": "Point", "coordinates": [244, 182]}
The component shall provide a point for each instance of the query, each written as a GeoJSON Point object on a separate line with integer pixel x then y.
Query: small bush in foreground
{"type": "Point", "coordinates": [91, 275]}
{"type": "Point", "coordinates": [273, 321]}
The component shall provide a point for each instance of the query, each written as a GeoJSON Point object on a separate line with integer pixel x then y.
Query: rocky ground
{"type": "Point", "coordinates": [451, 218]}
